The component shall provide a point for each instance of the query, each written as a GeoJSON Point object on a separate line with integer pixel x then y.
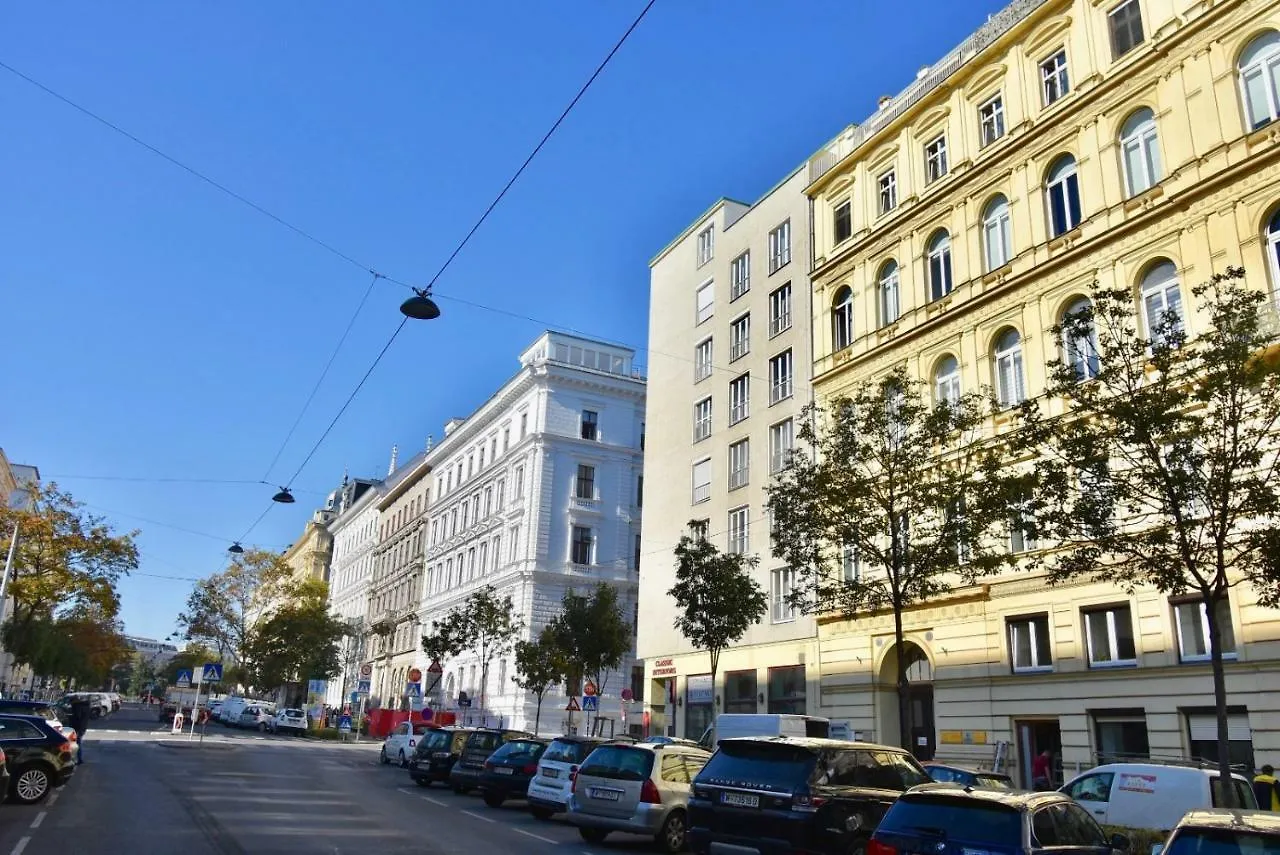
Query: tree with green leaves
{"type": "Point", "coordinates": [298, 641]}
{"type": "Point", "coordinates": [889, 501]}
{"type": "Point", "coordinates": [539, 666]}
{"type": "Point", "coordinates": [190, 658]}
{"type": "Point", "coordinates": [223, 608]}
{"type": "Point", "coordinates": [717, 600]}
{"type": "Point", "coordinates": [592, 635]}
{"type": "Point", "coordinates": [484, 623]}
{"type": "Point", "coordinates": [1157, 459]}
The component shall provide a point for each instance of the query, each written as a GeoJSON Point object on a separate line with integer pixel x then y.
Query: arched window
{"type": "Point", "coordinates": [1162, 302]}
{"type": "Point", "coordinates": [1062, 192]}
{"type": "Point", "coordinates": [1273, 250]}
{"type": "Point", "coordinates": [890, 300]}
{"type": "Point", "coordinates": [1080, 346]}
{"type": "Point", "coordinates": [1260, 79]}
{"type": "Point", "coordinates": [1140, 151]}
{"type": "Point", "coordinates": [1011, 389]}
{"type": "Point", "coordinates": [939, 255]}
{"type": "Point", "coordinates": [946, 381]}
{"type": "Point", "coordinates": [842, 319]}
{"type": "Point", "coordinates": [997, 233]}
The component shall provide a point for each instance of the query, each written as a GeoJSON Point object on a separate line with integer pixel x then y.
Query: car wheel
{"type": "Point", "coordinates": [671, 837]}
{"type": "Point", "coordinates": [542, 813]}
{"type": "Point", "coordinates": [461, 790]}
{"type": "Point", "coordinates": [404, 764]}
{"type": "Point", "coordinates": [593, 835]}
{"type": "Point", "coordinates": [262, 728]}
{"type": "Point", "coordinates": [31, 784]}
{"type": "Point", "coordinates": [382, 755]}
{"type": "Point", "coordinates": [422, 782]}
{"type": "Point", "coordinates": [493, 800]}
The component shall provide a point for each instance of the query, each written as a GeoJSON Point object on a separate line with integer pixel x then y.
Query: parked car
{"type": "Point", "coordinates": [50, 713]}
{"type": "Point", "coordinates": [549, 790]}
{"type": "Point", "coordinates": [215, 710]}
{"type": "Point", "coordinates": [289, 721]}
{"type": "Point", "coordinates": [435, 754]}
{"type": "Point", "coordinates": [402, 741]}
{"type": "Point", "coordinates": [257, 716]}
{"type": "Point", "coordinates": [792, 794]}
{"type": "Point", "coordinates": [38, 758]}
{"type": "Point", "coordinates": [1223, 832]}
{"type": "Point", "coordinates": [639, 788]}
{"type": "Point", "coordinates": [229, 712]}
{"type": "Point", "coordinates": [735, 725]}
{"type": "Point", "coordinates": [658, 739]}
{"type": "Point", "coordinates": [114, 698]}
{"type": "Point", "coordinates": [482, 742]}
{"type": "Point", "coordinates": [509, 770]}
{"type": "Point", "coordinates": [944, 774]}
{"type": "Point", "coordinates": [954, 818]}
{"type": "Point", "coordinates": [1150, 795]}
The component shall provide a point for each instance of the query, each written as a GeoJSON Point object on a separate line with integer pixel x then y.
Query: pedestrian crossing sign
{"type": "Point", "coordinates": [211, 673]}
{"type": "Point", "coordinates": [590, 703]}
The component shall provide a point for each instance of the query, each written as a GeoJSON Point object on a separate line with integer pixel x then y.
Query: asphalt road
{"type": "Point", "coordinates": [143, 791]}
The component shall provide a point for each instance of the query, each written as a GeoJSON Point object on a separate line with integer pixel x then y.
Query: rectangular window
{"type": "Point", "coordinates": [702, 360]}
{"type": "Point", "coordinates": [581, 550]}
{"type": "Point", "coordinates": [706, 298]}
{"type": "Point", "coordinates": [635, 563]}
{"type": "Point", "coordinates": [935, 160]}
{"type": "Point", "coordinates": [590, 425]}
{"type": "Point", "coordinates": [780, 374]}
{"type": "Point", "coordinates": [850, 564]}
{"type": "Point", "coordinates": [1121, 736]}
{"type": "Point", "coordinates": [702, 419]}
{"type": "Point", "coordinates": [783, 583]}
{"type": "Point", "coordinates": [739, 523]}
{"type": "Point", "coordinates": [1029, 644]}
{"type": "Point", "coordinates": [1192, 622]}
{"type": "Point", "coordinates": [781, 441]}
{"type": "Point", "coordinates": [1109, 637]}
{"type": "Point", "coordinates": [739, 398]}
{"type": "Point", "coordinates": [484, 556]}
{"type": "Point", "coordinates": [843, 220]}
{"type": "Point", "coordinates": [991, 120]}
{"type": "Point", "coordinates": [888, 197]}
{"type": "Point", "coordinates": [524, 424]}
{"type": "Point", "coordinates": [702, 481]}
{"type": "Point", "coordinates": [780, 246]}
{"type": "Point", "coordinates": [586, 482]}
{"type": "Point", "coordinates": [502, 494]}
{"type": "Point", "coordinates": [639, 491]}
{"type": "Point", "coordinates": [497, 552]}
{"type": "Point", "coordinates": [780, 310]}
{"type": "Point", "coordinates": [515, 542]}
{"type": "Point", "coordinates": [506, 439]}
{"type": "Point", "coordinates": [518, 483]}
{"type": "Point", "coordinates": [740, 692]}
{"type": "Point", "coordinates": [706, 244]}
{"type": "Point", "coordinates": [739, 337]}
{"type": "Point", "coordinates": [739, 464]}
{"type": "Point", "coordinates": [1125, 23]}
{"type": "Point", "coordinates": [786, 690]}
{"type": "Point", "coordinates": [739, 276]}
{"type": "Point", "coordinates": [1053, 77]}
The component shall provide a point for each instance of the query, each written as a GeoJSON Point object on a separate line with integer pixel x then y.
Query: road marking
{"type": "Point", "coordinates": [35, 823]}
{"type": "Point", "coordinates": [20, 845]}
{"type": "Point", "coordinates": [477, 816]}
{"type": "Point", "coordinates": [534, 836]}
{"type": "Point", "coordinates": [406, 792]}
{"type": "Point", "coordinates": [436, 801]}
{"type": "Point", "coordinates": [53, 799]}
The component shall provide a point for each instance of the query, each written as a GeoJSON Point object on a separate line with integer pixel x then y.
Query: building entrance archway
{"type": "Point", "coordinates": [921, 730]}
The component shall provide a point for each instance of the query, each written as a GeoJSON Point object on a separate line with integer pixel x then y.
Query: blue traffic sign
{"type": "Point", "coordinates": [355, 697]}
{"type": "Point", "coordinates": [212, 673]}
{"type": "Point", "coordinates": [413, 690]}
{"type": "Point", "coordinates": [590, 703]}
{"type": "Point", "coordinates": [344, 724]}
{"type": "Point", "coordinates": [363, 686]}
{"type": "Point", "coordinates": [184, 678]}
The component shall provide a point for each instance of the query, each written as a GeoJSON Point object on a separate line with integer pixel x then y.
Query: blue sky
{"type": "Point", "coordinates": [155, 328]}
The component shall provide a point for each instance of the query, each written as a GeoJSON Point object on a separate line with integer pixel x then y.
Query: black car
{"type": "Point", "coordinates": [436, 752]}
{"type": "Point", "coordinates": [946, 774]}
{"type": "Point", "coordinates": [797, 794]}
{"type": "Point", "coordinates": [38, 757]}
{"type": "Point", "coordinates": [950, 818]}
{"type": "Point", "coordinates": [508, 770]}
{"type": "Point", "coordinates": [469, 769]}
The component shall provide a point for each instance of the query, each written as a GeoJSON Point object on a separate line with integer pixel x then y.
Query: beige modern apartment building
{"type": "Point", "coordinates": [729, 358]}
{"type": "Point", "coordinates": [1129, 142]}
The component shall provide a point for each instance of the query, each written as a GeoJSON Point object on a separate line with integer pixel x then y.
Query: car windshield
{"type": "Point", "coordinates": [436, 739]}
{"type": "Point", "coordinates": [293, 713]}
{"type": "Point", "coordinates": [519, 751]}
{"type": "Point", "coordinates": [619, 763]}
{"type": "Point", "coordinates": [995, 782]}
{"type": "Point", "coordinates": [974, 820]}
{"type": "Point", "coordinates": [420, 729]}
{"type": "Point", "coordinates": [567, 751]}
{"type": "Point", "coordinates": [768, 765]}
{"type": "Point", "coordinates": [483, 741]}
{"type": "Point", "coordinates": [1223, 841]}
{"type": "Point", "coordinates": [1244, 793]}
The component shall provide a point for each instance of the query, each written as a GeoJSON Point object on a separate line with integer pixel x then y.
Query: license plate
{"type": "Point", "coordinates": [740, 799]}
{"type": "Point", "coordinates": [604, 795]}
{"type": "Point", "coordinates": [551, 773]}
{"type": "Point", "coordinates": [505, 770]}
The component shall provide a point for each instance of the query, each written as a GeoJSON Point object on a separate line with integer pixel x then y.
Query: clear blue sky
{"type": "Point", "coordinates": [155, 328]}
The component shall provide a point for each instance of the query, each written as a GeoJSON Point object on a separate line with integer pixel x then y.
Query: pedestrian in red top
{"type": "Point", "coordinates": [1041, 771]}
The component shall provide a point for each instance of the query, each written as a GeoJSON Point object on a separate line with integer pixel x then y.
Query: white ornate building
{"type": "Point", "coordinates": [355, 533]}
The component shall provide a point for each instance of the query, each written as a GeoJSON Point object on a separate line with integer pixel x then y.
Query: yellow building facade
{"type": "Point", "coordinates": [1129, 143]}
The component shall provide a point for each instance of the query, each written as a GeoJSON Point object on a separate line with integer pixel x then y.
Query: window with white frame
{"type": "Point", "coordinates": [739, 276]}
{"type": "Point", "coordinates": [1022, 536]}
{"type": "Point", "coordinates": [706, 244]}
{"type": "Point", "coordinates": [739, 534]}
{"type": "Point", "coordinates": [1272, 238]}
{"type": "Point", "coordinates": [782, 438]}
{"type": "Point", "coordinates": [1109, 637]}
{"type": "Point", "coordinates": [887, 198]}
{"type": "Point", "coordinates": [515, 542]}
{"type": "Point", "coordinates": [842, 221]}
{"type": "Point", "coordinates": [702, 354]}
{"type": "Point", "coordinates": [518, 483]}
{"type": "Point", "coordinates": [585, 483]}
{"type": "Point", "coordinates": [1011, 388]}
{"type": "Point", "coordinates": [991, 120]}
{"type": "Point", "coordinates": [780, 376]}
{"type": "Point", "coordinates": [946, 381]}
{"type": "Point", "coordinates": [706, 302]}
{"type": "Point", "coordinates": [1054, 82]}
{"type": "Point", "coordinates": [590, 425]}
{"type": "Point", "coordinates": [1191, 618]}
{"type": "Point", "coordinates": [484, 556]}
{"type": "Point", "coordinates": [739, 464]}
{"type": "Point", "coordinates": [702, 419]}
{"type": "Point", "coordinates": [580, 549]}
{"type": "Point", "coordinates": [1140, 151]}
{"type": "Point", "coordinates": [890, 298]}
{"type": "Point", "coordinates": [997, 233]}
{"type": "Point", "coordinates": [783, 583]}
{"type": "Point", "coordinates": [1029, 647]}
{"type": "Point", "coordinates": [1062, 194]}
{"type": "Point", "coordinates": [1125, 25]}
{"type": "Point", "coordinates": [780, 246]}
{"type": "Point", "coordinates": [842, 319]}
{"type": "Point", "coordinates": [1080, 351]}
{"type": "Point", "coordinates": [739, 337]}
{"type": "Point", "coordinates": [780, 309]}
{"type": "Point", "coordinates": [935, 159]}
{"type": "Point", "coordinates": [1162, 303]}
{"type": "Point", "coordinates": [1259, 70]}
{"type": "Point", "coordinates": [938, 259]}
{"type": "Point", "coordinates": [702, 481]}
{"type": "Point", "coordinates": [739, 398]}
{"type": "Point", "coordinates": [850, 564]}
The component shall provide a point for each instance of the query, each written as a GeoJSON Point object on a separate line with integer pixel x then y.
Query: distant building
{"type": "Point", "coordinates": [16, 480]}
{"type": "Point", "coordinates": [156, 653]}
{"type": "Point", "coordinates": [310, 555]}
{"type": "Point", "coordinates": [354, 529]}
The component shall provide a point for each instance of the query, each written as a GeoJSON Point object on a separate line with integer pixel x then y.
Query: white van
{"type": "Point", "coordinates": [1151, 795]}
{"type": "Point", "coordinates": [731, 725]}
{"type": "Point", "coordinates": [229, 712]}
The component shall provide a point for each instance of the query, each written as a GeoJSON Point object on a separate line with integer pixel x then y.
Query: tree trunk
{"type": "Point", "coordinates": [1229, 799]}
{"type": "Point", "coordinates": [904, 718]}
{"type": "Point", "coordinates": [537, 716]}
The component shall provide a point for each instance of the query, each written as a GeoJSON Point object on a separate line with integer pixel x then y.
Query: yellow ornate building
{"type": "Point", "coordinates": [1133, 143]}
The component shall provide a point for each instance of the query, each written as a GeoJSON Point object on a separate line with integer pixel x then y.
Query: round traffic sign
{"type": "Point", "coordinates": [366, 670]}
{"type": "Point", "coordinates": [627, 694]}
{"type": "Point", "coordinates": [589, 689]}
{"type": "Point", "coordinates": [414, 675]}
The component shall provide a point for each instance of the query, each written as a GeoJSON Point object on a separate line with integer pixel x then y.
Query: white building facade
{"type": "Point", "coordinates": [355, 534]}
{"type": "Point", "coordinates": [538, 493]}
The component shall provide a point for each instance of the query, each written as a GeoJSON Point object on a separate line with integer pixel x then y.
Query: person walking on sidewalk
{"type": "Point", "coordinates": [80, 720]}
{"type": "Point", "coordinates": [1266, 789]}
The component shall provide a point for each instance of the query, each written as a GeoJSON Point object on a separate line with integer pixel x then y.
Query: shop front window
{"type": "Point", "coordinates": [740, 692]}
{"type": "Point", "coordinates": [787, 690]}
{"type": "Point", "coordinates": [699, 701]}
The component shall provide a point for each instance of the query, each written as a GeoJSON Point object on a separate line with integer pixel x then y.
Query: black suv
{"type": "Point", "coordinates": [436, 752]}
{"type": "Point", "coordinates": [37, 756]}
{"type": "Point", "coordinates": [797, 794]}
{"type": "Point", "coordinates": [469, 770]}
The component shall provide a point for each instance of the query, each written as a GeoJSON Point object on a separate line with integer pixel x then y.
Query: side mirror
{"type": "Point", "coordinates": [1120, 842]}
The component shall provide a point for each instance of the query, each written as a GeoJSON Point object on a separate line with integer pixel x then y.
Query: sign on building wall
{"type": "Point", "coordinates": [663, 668]}
{"type": "Point", "coordinates": [699, 689]}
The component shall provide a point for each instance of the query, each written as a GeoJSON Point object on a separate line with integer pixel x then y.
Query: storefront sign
{"type": "Point", "coordinates": [699, 690]}
{"type": "Point", "coordinates": [663, 668]}
{"type": "Point", "coordinates": [963, 737]}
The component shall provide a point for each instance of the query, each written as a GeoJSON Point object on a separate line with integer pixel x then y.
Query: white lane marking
{"type": "Point", "coordinates": [20, 845]}
{"type": "Point", "coordinates": [406, 792]}
{"type": "Point", "coordinates": [534, 836]}
{"type": "Point", "coordinates": [477, 816]}
{"type": "Point", "coordinates": [53, 799]}
{"type": "Point", "coordinates": [435, 801]}
{"type": "Point", "coordinates": [35, 823]}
